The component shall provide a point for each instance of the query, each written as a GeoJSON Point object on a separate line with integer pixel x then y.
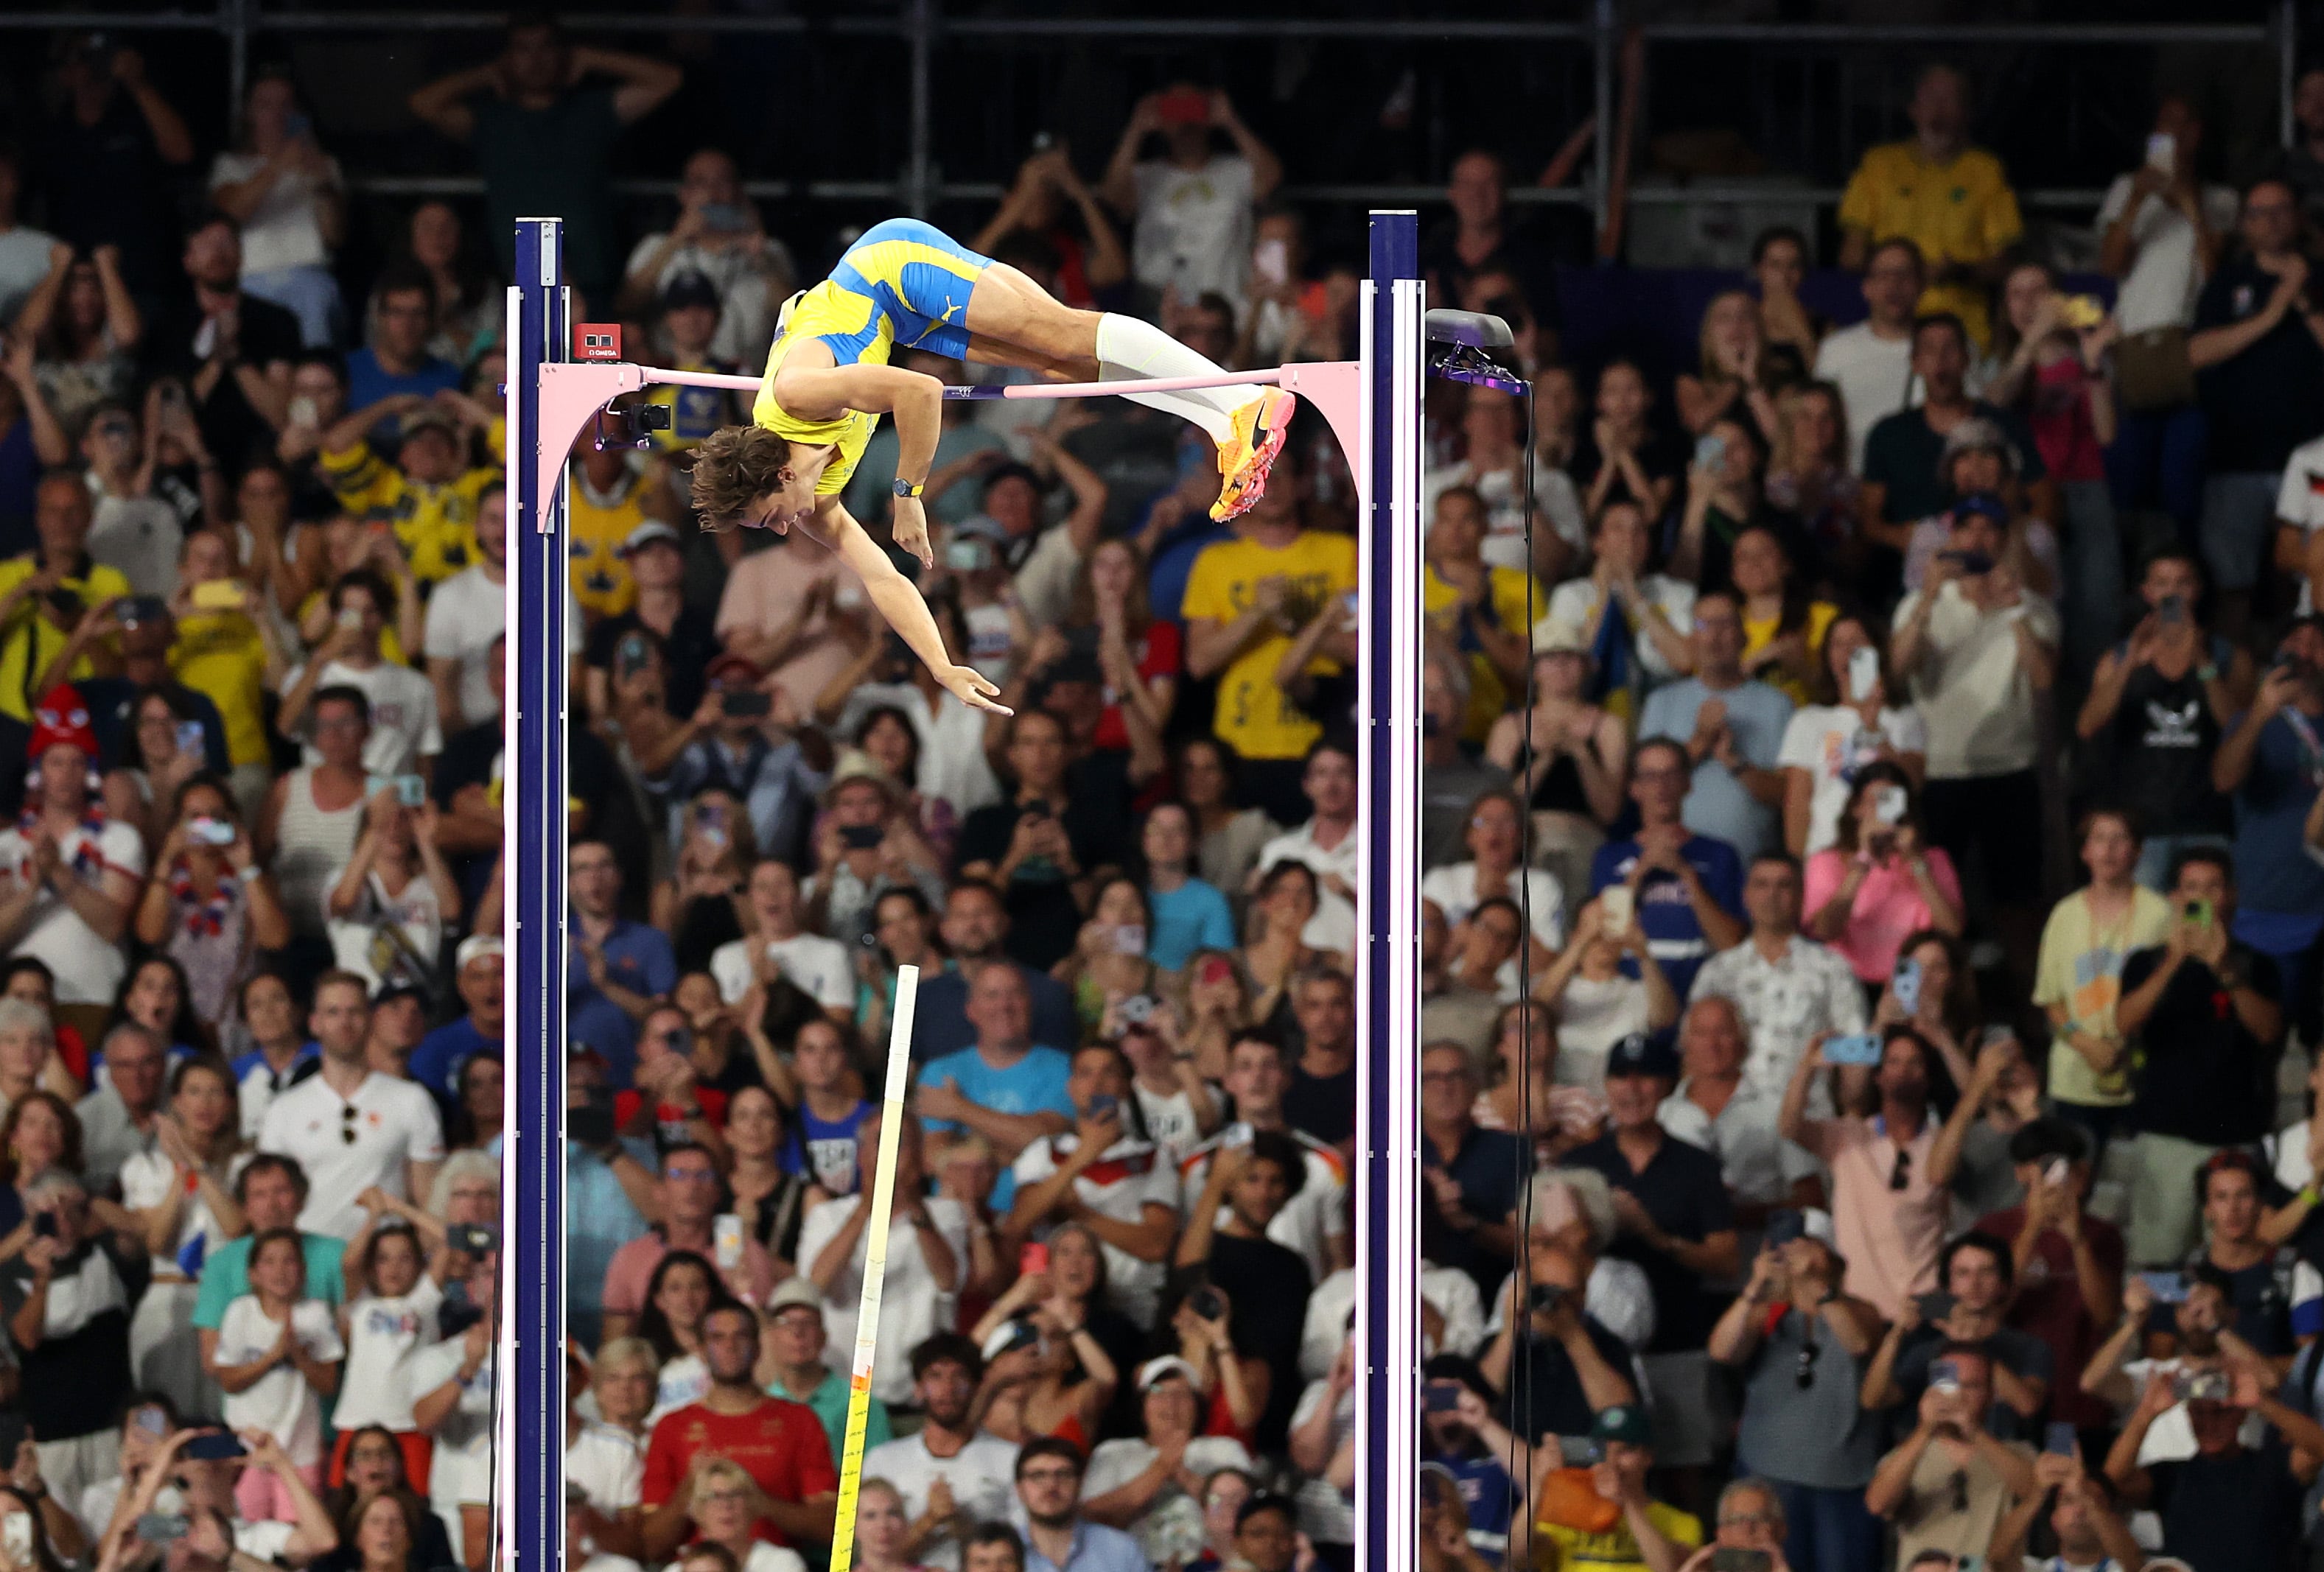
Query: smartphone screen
{"type": "Point", "coordinates": [1863, 674]}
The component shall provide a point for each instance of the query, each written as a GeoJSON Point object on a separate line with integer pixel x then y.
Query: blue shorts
{"type": "Point", "coordinates": [920, 279]}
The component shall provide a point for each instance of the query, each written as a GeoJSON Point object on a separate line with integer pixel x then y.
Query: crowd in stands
{"type": "Point", "coordinates": [1874, 874]}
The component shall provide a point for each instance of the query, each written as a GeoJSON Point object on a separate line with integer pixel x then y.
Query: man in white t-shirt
{"type": "Point", "coordinates": [1314, 1222]}
{"type": "Point", "coordinates": [405, 735]}
{"type": "Point", "coordinates": [1118, 1185]}
{"type": "Point", "coordinates": [816, 966]}
{"type": "Point", "coordinates": [465, 616]}
{"type": "Point", "coordinates": [1871, 363]}
{"type": "Point", "coordinates": [964, 1474]}
{"type": "Point", "coordinates": [718, 235]}
{"type": "Point", "coordinates": [69, 878]}
{"type": "Point", "coordinates": [2300, 522]}
{"type": "Point", "coordinates": [1192, 207]}
{"type": "Point", "coordinates": [1327, 843]}
{"type": "Point", "coordinates": [348, 1128]}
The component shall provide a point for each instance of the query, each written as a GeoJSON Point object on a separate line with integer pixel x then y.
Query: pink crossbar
{"type": "Point", "coordinates": [657, 375]}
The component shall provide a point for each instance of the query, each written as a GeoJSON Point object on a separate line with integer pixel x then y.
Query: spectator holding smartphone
{"type": "Point", "coordinates": [1800, 1344]}
{"type": "Point", "coordinates": [1880, 880]}
{"type": "Point", "coordinates": [1966, 1312]}
{"type": "Point", "coordinates": [1946, 1486]}
{"type": "Point", "coordinates": [2089, 1531]}
{"type": "Point", "coordinates": [1892, 1167]}
{"type": "Point", "coordinates": [2229, 1505]}
{"type": "Point", "coordinates": [2205, 1012]}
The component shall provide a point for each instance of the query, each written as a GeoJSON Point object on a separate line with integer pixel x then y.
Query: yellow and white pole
{"type": "Point", "coordinates": [875, 1266]}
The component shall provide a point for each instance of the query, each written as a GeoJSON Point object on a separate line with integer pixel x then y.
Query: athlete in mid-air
{"type": "Point", "coordinates": [908, 284]}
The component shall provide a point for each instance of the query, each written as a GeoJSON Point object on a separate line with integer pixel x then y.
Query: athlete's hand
{"type": "Point", "coordinates": [911, 529]}
{"type": "Point", "coordinates": [971, 689]}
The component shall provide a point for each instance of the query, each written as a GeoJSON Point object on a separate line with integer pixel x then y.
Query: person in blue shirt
{"type": "Point", "coordinates": [615, 969]}
{"type": "Point", "coordinates": [1689, 887]}
{"type": "Point", "coordinates": [610, 1186]}
{"type": "Point", "coordinates": [396, 360]}
{"type": "Point", "coordinates": [1460, 1437]}
{"type": "Point", "coordinates": [2273, 761]}
{"type": "Point", "coordinates": [1058, 1539]}
{"type": "Point", "coordinates": [820, 1144]}
{"type": "Point", "coordinates": [1189, 914]}
{"type": "Point", "coordinates": [1005, 1086]}
{"type": "Point", "coordinates": [1732, 727]}
{"type": "Point", "coordinates": [480, 972]}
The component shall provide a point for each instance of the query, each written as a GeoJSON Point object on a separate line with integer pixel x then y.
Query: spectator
{"type": "Point", "coordinates": [465, 615]}
{"type": "Point", "coordinates": [1642, 1532]}
{"type": "Point", "coordinates": [1005, 1086]}
{"type": "Point", "coordinates": [68, 1303]}
{"type": "Point", "coordinates": [1244, 600]}
{"type": "Point", "coordinates": [2090, 1533]}
{"type": "Point", "coordinates": [1105, 1175]}
{"type": "Point", "coordinates": [2200, 999]}
{"type": "Point", "coordinates": [1059, 1538]}
{"type": "Point", "coordinates": [688, 1203]}
{"type": "Point", "coordinates": [1474, 1175]}
{"type": "Point", "coordinates": [118, 1119]}
{"type": "Point", "coordinates": [1799, 1343]}
{"type": "Point", "coordinates": [65, 579]}
{"type": "Point", "coordinates": [1714, 1107]}
{"type": "Point", "coordinates": [2267, 760]}
{"type": "Point", "coordinates": [278, 1356]}
{"type": "Point", "coordinates": [1490, 525]}
{"type": "Point", "coordinates": [1786, 986]}
{"type": "Point", "coordinates": [544, 141]}
{"type": "Point", "coordinates": [71, 874]}
{"type": "Point", "coordinates": [1880, 881]}
{"type": "Point", "coordinates": [1730, 379]}
{"type": "Point", "coordinates": [718, 236]}
{"type": "Point", "coordinates": [1732, 727]}
{"type": "Point", "coordinates": [2169, 666]}
{"type": "Point", "coordinates": [1946, 1486]}
{"type": "Point", "coordinates": [2230, 1504]}
{"type": "Point", "coordinates": [2078, 984]}
{"type": "Point", "coordinates": [1596, 1005]}
{"type": "Point", "coordinates": [1190, 210]}
{"type": "Point", "coordinates": [951, 1474]}
{"type": "Point", "coordinates": [1951, 200]}
{"type": "Point", "coordinates": [388, 910]}
{"type": "Point", "coordinates": [402, 735]}
{"type": "Point", "coordinates": [1326, 844]}
{"type": "Point", "coordinates": [927, 1259]}
{"type": "Point", "coordinates": [288, 196]}
{"type": "Point", "coordinates": [1311, 1219]}
{"type": "Point", "coordinates": [2258, 364]}
{"type": "Point", "coordinates": [313, 814]}
{"type": "Point", "coordinates": [181, 1191]}
{"type": "Point", "coordinates": [85, 330]}
{"type": "Point", "coordinates": [1249, 1308]}
{"type": "Point", "coordinates": [465, 295]}
{"type": "Point", "coordinates": [1045, 846]}
{"type": "Point", "coordinates": [1978, 1279]}
{"type": "Point", "coordinates": [1891, 1163]}
{"type": "Point", "coordinates": [619, 967]}
{"type": "Point", "coordinates": [348, 1128]}
{"type": "Point", "coordinates": [1569, 756]}
{"type": "Point", "coordinates": [231, 349]}
{"type": "Point", "coordinates": [104, 156]}
{"type": "Point", "coordinates": [779, 1443]}
{"type": "Point", "coordinates": [976, 928]}
{"type": "Point", "coordinates": [479, 972]}
{"type": "Point", "coordinates": [1780, 259]}
{"type": "Point", "coordinates": [135, 531]}
{"type": "Point", "coordinates": [1977, 647]}
{"type": "Point", "coordinates": [1678, 1225]}
{"type": "Point", "coordinates": [397, 358]}
{"type": "Point", "coordinates": [1687, 888]}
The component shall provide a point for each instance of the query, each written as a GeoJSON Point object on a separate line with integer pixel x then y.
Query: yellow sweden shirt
{"type": "Point", "coordinates": [1254, 714]}
{"type": "Point", "coordinates": [1617, 1549]}
{"type": "Point", "coordinates": [1487, 696]}
{"type": "Point", "coordinates": [1962, 212]}
{"type": "Point", "coordinates": [29, 640]}
{"type": "Point", "coordinates": [220, 654]}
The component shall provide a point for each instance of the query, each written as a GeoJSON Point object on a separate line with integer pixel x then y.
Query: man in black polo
{"type": "Point", "coordinates": [1473, 1175]}
{"type": "Point", "coordinates": [1678, 1225]}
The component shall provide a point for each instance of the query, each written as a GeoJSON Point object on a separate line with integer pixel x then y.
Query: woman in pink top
{"type": "Point", "coordinates": [1880, 880]}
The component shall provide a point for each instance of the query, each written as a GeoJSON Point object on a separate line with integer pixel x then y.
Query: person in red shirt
{"type": "Point", "coordinates": [779, 1443]}
{"type": "Point", "coordinates": [2068, 1264]}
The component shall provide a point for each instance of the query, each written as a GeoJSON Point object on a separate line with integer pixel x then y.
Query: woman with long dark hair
{"type": "Point", "coordinates": [209, 906]}
{"type": "Point", "coordinates": [156, 996]}
{"type": "Point", "coordinates": [85, 329]}
{"type": "Point", "coordinates": [376, 1465]}
{"type": "Point", "coordinates": [1859, 715]}
{"type": "Point", "coordinates": [683, 1289]}
{"type": "Point", "coordinates": [1784, 626]}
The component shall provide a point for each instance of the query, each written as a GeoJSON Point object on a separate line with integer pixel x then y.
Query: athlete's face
{"type": "Point", "coordinates": [787, 505]}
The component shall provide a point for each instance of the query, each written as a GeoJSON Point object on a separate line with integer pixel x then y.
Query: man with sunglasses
{"type": "Point", "coordinates": [349, 1127]}
{"type": "Point", "coordinates": [691, 1197]}
{"type": "Point", "coordinates": [1947, 1483]}
{"type": "Point", "coordinates": [1797, 1342]}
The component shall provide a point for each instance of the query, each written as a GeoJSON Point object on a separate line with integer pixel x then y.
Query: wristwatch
{"type": "Point", "coordinates": [904, 488]}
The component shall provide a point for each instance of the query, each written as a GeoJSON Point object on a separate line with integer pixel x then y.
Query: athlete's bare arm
{"type": "Point", "coordinates": [897, 599]}
{"type": "Point", "coordinates": [820, 391]}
